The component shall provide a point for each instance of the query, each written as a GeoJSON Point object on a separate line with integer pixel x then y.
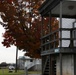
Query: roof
{"type": "Point", "coordinates": [68, 8]}
{"type": "Point", "coordinates": [48, 5]}
{"type": "Point", "coordinates": [25, 58]}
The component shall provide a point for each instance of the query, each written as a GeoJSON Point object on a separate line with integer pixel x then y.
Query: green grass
{"type": "Point", "coordinates": [34, 72]}
{"type": "Point", "coordinates": [6, 72]}
{"type": "Point", "coordinates": [19, 72]}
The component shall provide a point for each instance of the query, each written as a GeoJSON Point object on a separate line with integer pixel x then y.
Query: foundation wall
{"type": "Point", "coordinates": [67, 65]}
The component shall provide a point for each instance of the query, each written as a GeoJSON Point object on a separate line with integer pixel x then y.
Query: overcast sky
{"type": "Point", "coordinates": [7, 55]}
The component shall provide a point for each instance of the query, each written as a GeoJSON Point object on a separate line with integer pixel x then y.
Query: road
{"type": "Point", "coordinates": [33, 74]}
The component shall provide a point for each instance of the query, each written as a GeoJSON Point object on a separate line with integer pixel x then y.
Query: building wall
{"type": "Point", "coordinates": [35, 64]}
{"type": "Point", "coordinates": [67, 65]}
{"type": "Point", "coordinates": [20, 64]}
{"type": "Point", "coordinates": [27, 62]}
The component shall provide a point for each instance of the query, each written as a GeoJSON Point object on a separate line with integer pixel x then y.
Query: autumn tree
{"type": "Point", "coordinates": [22, 23]}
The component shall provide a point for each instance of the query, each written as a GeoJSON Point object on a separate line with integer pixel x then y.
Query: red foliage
{"type": "Point", "coordinates": [10, 1]}
{"type": "Point", "coordinates": [8, 39]}
{"type": "Point", "coordinates": [23, 28]}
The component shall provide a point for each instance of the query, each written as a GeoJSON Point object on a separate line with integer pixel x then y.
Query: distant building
{"type": "Point", "coordinates": [30, 63]}
{"type": "Point", "coordinates": [20, 64]}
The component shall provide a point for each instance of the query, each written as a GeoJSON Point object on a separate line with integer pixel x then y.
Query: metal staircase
{"type": "Point", "coordinates": [54, 67]}
{"type": "Point", "coordinates": [49, 66]}
{"type": "Point", "coordinates": [46, 67]}
{"type": "Point", "coordinates": [46, 72]}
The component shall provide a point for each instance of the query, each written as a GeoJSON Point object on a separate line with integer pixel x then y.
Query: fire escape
{"type": "Point", "coordinates": [58, 9]}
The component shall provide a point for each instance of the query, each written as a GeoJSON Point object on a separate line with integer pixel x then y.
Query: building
{"type": "Point", "coordinates": [61, 59]}
{"type": "Point", "coordinates": [33, 64]}
{"type": "Point", "coordinates": [29, 63]}
{"type": "Point", "coordinates": [20, 64]}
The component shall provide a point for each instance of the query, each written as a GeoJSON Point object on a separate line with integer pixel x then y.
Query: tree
{"type": "Point", "coordinates": [3, 64]}
{"type": "Point", "coordinates": [22, 23]}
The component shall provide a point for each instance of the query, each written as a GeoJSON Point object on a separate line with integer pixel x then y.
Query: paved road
{"type": "Point", "coordinates": [34, 74]}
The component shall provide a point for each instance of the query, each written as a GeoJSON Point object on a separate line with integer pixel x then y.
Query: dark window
{"type": "Point", "coordinates": [31, 60]}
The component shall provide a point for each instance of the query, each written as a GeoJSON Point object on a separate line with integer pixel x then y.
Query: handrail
{"type": "Point", "coordinates": [45, 64]}
{"type": "Point", "coordinates": [49, 34]}
{"type": "Point", "coordinates": [60, 29]}
{"type": "Point", "coordinates": [30, 65]}
{"type": "Point", "coordinates": [49, 42]}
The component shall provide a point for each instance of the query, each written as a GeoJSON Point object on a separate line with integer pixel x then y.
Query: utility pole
{"type": "Point", "coordinates": [16, 58]}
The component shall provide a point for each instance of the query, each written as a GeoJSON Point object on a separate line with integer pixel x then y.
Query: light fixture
{"type": "Point", "coordinates": [71, 7]}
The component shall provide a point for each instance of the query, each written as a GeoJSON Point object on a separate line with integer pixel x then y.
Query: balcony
{"type": "Point", "coordinates": [65, 12]}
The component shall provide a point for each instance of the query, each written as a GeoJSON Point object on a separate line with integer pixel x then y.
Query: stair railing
{"type": "Point", "coordinates": [45, 64]}
{"type": "Point", "coordinates": [30, 65]}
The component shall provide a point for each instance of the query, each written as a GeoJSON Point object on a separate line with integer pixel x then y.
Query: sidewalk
{"type": "Point", "coordinates": [34, 74]}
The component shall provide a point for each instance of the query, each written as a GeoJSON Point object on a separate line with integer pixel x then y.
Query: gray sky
{"type": "Point", "coordinates": [7, 54]}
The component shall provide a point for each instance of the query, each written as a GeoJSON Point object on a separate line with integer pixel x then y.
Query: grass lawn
{"type": "Point", "coordinates": [19, 72]}
{"type": "Point", "coordinates": [34, 72]}
{"type": "Point", "coordinates": [6, 72]}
